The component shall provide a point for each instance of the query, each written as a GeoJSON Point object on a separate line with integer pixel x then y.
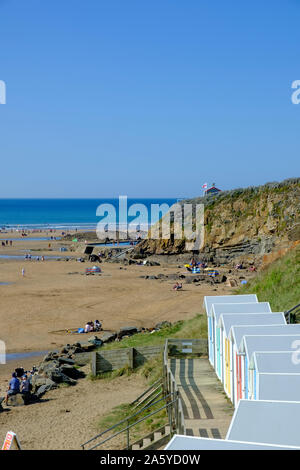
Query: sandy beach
{"type": "Point", "coordinates": [53, 296]}
{"type": "Point", "coordinates": [56, 295]}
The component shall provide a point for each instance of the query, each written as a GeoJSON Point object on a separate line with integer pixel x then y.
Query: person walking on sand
{"type": "Point", "coordinates": [23, 272]}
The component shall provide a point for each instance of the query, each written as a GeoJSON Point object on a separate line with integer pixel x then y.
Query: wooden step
{"type": "Point", "coordinates": [136, 447]}
{"type": "Point", "coordinates": [147, 442]}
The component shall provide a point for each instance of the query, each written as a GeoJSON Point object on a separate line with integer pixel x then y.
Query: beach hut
{"type": "Point", "coordinates": [225, 352]}
{"type": "Point", "coordinates": [242, 308]}
{"type": "Point", "coordinates": [267, 421]}
{"type": "Point", "coordinates": [275, 376]}
{"type": "Point", "coordinates": [208, 301]}
{"type": "Point", "coordinates": [224, 299]}
{"type": "Point", "coordinates": [250, 344]}
{"type": "Point", "coordinates": [181, 442]}
{"type": "Point", "coordinates": [236, 334]}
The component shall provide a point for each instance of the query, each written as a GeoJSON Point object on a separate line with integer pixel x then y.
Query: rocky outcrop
{"type": "Point", "coordinates": [241, 224]}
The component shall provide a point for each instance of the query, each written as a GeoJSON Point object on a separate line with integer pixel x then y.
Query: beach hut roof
{"type": "Point", "coordinates": [227, 320]}
{"type": "Point", "coordinates": [179, 442]}
{"type": "Point", "coordinates": [283, 387]}
{"type": "Point", "coordinates": [252, 343]}
{"type": "Point", "coordinates": [279, 327]}
{"type": "Point", "coordinates": [211, 299]}
{"type": "Point", "coordinates": [249, 307]}
{"type": "Point", "coordinates": [266, 421]}
{"type": "Point", "coordinates": [276, 362]}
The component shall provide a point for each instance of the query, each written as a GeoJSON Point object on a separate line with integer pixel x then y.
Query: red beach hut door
{"type": "Point", "coordinates": [239, 377]}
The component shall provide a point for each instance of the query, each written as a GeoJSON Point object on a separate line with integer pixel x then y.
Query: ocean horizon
{"type": "Point", "coordinates": [63, 213]}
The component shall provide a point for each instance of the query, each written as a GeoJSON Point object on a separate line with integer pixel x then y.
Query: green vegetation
{"type": "Point", "coordinates": [193, 328]}
{"type": "Point", "coordinates": [110, 375]}
{"type": "Point", "coordinates": [122, 412]}
{"type": "Point", "coordinates": [279, 283]}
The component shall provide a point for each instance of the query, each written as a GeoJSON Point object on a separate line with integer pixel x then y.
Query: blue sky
{"type": "Point", "coordinates": [147, 98]}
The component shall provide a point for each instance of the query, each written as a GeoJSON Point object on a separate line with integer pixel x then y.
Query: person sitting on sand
{"type": "Point", "coordinates": [97, 326]}
{"type": "Point", "coordinates": [25, 389]}
{"type": "Point", "coordinates": [87, 328]}
{"type": "Point", "coordinates": [177, 286]}
{"type": "Point", "coordinates": [193, 262]}
{"type": "Point", "coordinates": [13, 388]}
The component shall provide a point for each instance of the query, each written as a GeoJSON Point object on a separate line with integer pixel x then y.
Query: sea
{"type": "Point", "coordinates": [80, 214]}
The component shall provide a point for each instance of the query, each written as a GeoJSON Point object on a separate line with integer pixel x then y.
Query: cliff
{"type": "Point", "coordinates": [243, 223]}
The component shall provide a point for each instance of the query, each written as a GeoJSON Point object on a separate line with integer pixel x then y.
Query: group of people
{"type": "Point", "coordinates": [194, 264]}
{"type": "Point", "coordinates": [7, 242]}
{"type": "Point", "coordinates": [20, 383]}
{"type": "Point", "coordinates": [37, 258]}
{"type": "Point", "coordinates": [93, 326]}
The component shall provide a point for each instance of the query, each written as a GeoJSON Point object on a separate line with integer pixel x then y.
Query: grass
{"type": "Point", "coordinates": [122, 412]}
{"type": "Point", "coordinates": [193, 328]}
{"type": "Point", "coordinates": [110, 375]}
{"type": "Point", "coordinates": [279, 283]}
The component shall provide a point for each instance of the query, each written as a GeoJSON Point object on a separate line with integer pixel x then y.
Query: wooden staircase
{"type": "Point", "coordinates": [154, 440]}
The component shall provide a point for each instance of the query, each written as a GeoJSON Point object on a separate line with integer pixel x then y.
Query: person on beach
{"type": "Point", "coordinates": [25, 389]}
{"type": "Point", "coordinates": [177, 286]}
{"type": "Point", "coordinates": [13, 388]}
{"type": "Point", "coordinates": [23, 272]}
{"type": "Point", "coordinates": [97, 326]}
{"type": "Point", "coordinates": [87, 328]}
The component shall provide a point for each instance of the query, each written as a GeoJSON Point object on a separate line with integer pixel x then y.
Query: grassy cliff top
{"type": "Point", "coordinates": [279, 283]}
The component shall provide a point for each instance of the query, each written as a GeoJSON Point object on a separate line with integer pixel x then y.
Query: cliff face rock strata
{"type": "Point", "coordinates": [243, 223]}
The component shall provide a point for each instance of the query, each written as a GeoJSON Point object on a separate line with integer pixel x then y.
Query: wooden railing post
{"type": "Point", "coordinates": [94, 363]}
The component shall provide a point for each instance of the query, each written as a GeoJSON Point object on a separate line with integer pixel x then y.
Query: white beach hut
{"type": "Point", "coordinates": [275, 376]}
{"type": "Point", "coordinates": [235, 336]}
{"type": "Point", "coordinates": [251, 344]}
{"type": "Point", "coordinates": [181, 442]}
{"type": "Point", "coordinates": [211, 299]}
{"type": "Point", "coordinates": [218, 309]}
{"type": "Point", "coordinates": [269, 422]}
{"type": "Point", "coordinates": [225, 352]}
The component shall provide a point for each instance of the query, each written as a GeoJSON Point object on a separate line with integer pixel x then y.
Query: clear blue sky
{"type": "Point", "coordinates": [147, 98]}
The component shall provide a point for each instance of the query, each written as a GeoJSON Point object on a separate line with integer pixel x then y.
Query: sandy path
{"type": "Point", "coordinates": [48, 425]}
